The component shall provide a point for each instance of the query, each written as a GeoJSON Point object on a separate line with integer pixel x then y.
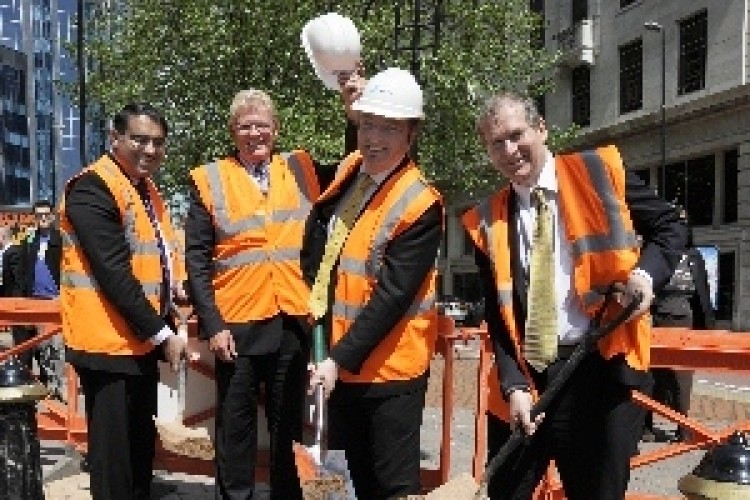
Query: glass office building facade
{"type": "Point", "coordinates": [39, 126]}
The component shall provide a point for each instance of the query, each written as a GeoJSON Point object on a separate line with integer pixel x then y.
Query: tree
{"type": "Point", "coordinates": [189, 58]}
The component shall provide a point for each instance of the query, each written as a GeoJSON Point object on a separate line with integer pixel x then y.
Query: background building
{"type": "Point", "coordinates": [39, 126]}
{"type": "Point", "coordinates": [697, 154]}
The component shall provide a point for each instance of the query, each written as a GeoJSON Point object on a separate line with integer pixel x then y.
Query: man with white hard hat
{"type": "Point", "coordinates": [369, 254]}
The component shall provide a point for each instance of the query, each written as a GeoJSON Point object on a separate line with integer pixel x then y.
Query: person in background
{"type": "Point", "coordinates": [120, 275]}
{"type": "Point", "coordinates": [684, 302]}
{"type": "Point", "coordinates": [38, 276]}
{"type": "Point", "coordinates": [369, 253]}
{"type": "Point", "coordinates": [243, 237]}
{"type": "Point", "coordinates": [576, 214]}
{"type": "Point", "coordinates": [6, 241]}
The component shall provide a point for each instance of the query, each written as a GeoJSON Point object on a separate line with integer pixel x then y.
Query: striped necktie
{"type": "Point", "coordinates": [163, 260]}
{"type": "Point", "coordinates": [341, 227]}
{"type": "Point", "coordinates": [540, 339]}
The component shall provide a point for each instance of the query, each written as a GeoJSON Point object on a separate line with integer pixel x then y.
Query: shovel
{"type": "Point", "coordinates": [323, 474]}
{"type": "Point", "coordinates": [595, 332]}
{"type": "Point", "coordinates": [175, 436]}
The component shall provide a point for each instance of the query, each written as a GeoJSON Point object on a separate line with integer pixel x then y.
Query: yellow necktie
{"type": "Point", "coordinates": [540, 340]}
{"type": "Point", "coordinates": [336, 238]}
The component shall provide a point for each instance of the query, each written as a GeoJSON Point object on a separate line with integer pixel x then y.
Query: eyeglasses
{"type": "Point", "coordinates": [144, 140]}
{"type": "Point", "coordinates": [248, 127]}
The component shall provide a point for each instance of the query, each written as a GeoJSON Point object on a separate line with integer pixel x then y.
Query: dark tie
{"type": "Point", "coordinates": [260, 173]}
{"type": "Point", "coordinates": [166, 280]}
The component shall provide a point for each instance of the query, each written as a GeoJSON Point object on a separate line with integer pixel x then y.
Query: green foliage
{"type": "Point", "coordinates": [189, 58]}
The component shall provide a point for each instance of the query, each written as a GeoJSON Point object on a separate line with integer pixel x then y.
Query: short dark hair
{"type": "Point", "coordinates": [122, 119]}
{"type": "Point", "coordinates": [41, 204]}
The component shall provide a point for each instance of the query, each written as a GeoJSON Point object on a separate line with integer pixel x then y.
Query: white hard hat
{"type": "Point", "coordinates": [331, 42]}
{"type": "Point", "coordinates": [392, 93]}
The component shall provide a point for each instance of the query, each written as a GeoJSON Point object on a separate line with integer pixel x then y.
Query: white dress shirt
{"type": "Point", "coordinates": [571, 319]}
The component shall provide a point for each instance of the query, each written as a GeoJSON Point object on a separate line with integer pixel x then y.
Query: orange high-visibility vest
{"type": "Point", "coordinates": [603, 244]}
{"type": "Point", "coordinates": [258, 238]}
{"type": "Point", "coordinates": [406, 351]}
{"type": "Point", "coordinates": [89, 321]}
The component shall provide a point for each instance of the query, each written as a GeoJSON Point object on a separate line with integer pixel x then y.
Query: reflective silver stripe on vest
{"type": "Point", "coordinates": [128, 217]}
{"type": "Point", "coordinates": [351, 311]}
{"type": "Point", "coordinates": [250, 257]}
{"type": "Point", "coordinates": [618, 237]}
{"type": "Point", "coordinates": [350, 265]}
{"type": "Point", "coordinates": [505, 297]}
{"type": "Point", "coordinates": [84, 281]}
{"type": "Point", "coordinates": [484, 212]}
{"type": "Point", "coordinates": [299, 175]}
{"type": "Point", "coordinates": [68, 239]}
{"type": "Point", "coordinates": [227, 229]}
{"type": "Point", "coordinates": [389, 222]}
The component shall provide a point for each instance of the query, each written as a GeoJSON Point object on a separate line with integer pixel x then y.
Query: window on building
{"type": "Point", "coordinates": [693, 52]}
{"type": "Point", "coordinates": [631, 76]}
{"type": "Point", "coordinates": [537, 7]}
{"type": "Point", "coordinates": [644, 174]}
{"type": "Point", "coordinates": [581, 96]}
{"type": "Point", "coordinates": [729, 186]}
{"type": "Point", "coordinates": [625, 3]}
{"type": "Point", "coordinates": [579, 11]}
{"type": "Point", "coordinates": [725, 303]}
{"type": "Point", "coordinates": [690, 184]}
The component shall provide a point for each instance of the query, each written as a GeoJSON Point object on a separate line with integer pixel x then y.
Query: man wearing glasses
{"type": "Point", "coordinates": [38, 276]}
{"type": "Point", "coordinates": [120, 274]}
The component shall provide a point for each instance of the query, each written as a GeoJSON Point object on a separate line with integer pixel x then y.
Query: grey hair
{"type": "Point", "coordinates": [492, 104]}
{"type": "Point", "coordinates": [253, 99]}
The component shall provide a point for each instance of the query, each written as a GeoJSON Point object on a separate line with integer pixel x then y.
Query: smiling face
{"type": "Point", "coordinates": [140, 148]}
{"type": "Point", "coordinates": [254, 132]}
{"type": "Point", "coordinates": [517, 148]}
{"type": "Point", "coordinates": [384, 141]}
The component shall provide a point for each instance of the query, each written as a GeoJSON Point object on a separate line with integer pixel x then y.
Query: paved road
{"type": "Point", "coordinates": [717, 399]}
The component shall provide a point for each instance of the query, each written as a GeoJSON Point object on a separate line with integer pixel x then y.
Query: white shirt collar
{"type": "Point", "coordinates": [547, 181]}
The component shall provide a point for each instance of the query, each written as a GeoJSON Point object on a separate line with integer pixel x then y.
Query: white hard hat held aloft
{"type": "Point", "coordinates": [331, 42]}
{"type": "Point", "coordinates": [392, 93]}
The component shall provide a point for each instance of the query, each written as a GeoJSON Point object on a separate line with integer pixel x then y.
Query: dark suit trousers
{"type": "Point", "coordinates": [238, 389]}
{"type": "Point", "coordinates": [120, 411]}
{"type": "Point", "coordinates": [380, 436]}
{"type": "Point", "coordinates": [591, 431]}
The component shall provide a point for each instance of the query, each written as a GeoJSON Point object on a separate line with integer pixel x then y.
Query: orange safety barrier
{"type": "Point", "coordinates": [62, 421]}
{"type": "Point", "coordinates": [681, 348]}
{"type": "Point", "coordinates": [55, 420]}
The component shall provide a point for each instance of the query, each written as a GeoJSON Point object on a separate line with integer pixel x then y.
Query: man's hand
{"type": "Point", "coordinates": [520, 402]}
{"type": "Point", "coordinates": [351, 85]}
{"type": "Point", "coordinates": [222, 344]}
{"type": "Point", "coordinates": [175, 349]}
{"type": "Point", "coordinates": [325, 374]}
{"type": "Point", "coordinates": [638, 282]}
{"type": "Point", "coordinates": [179, 294]}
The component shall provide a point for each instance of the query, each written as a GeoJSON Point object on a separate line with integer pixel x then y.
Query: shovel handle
{"type": "Point", "coordinates": [319, 343]}
{"type": "Point", "coordinates": [584, 347]}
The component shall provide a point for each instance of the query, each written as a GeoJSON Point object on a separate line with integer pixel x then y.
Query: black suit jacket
{"type": "Point", "coordinates": [664, 236]}
{"type": "Point", "coordinates": [95, 217]}
{"type": "Point", "coordinates": [406, 262]}
{"type": "Point", "coordinates": [12, 276]}
{"type": "Point", "coordinates": [52, 258]}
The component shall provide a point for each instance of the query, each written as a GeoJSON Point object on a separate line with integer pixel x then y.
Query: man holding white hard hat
{"type": "Point", "coordinates": [369, 253]}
